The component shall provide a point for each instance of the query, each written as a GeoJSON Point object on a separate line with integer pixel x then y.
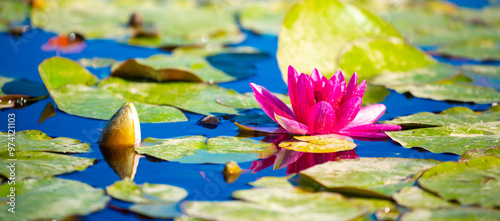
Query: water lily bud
{"type": "Point", "coordinates": [123, 129]}
{"type": "Point", "coordinates": [231, 172]}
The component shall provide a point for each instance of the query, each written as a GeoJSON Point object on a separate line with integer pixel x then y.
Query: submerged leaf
{"type": "Point", "coordinates": [52, 198]}
{"type": "Point", "coordinates": [455, 130]}
{"type": "Point", "coordinates": [127, 190]}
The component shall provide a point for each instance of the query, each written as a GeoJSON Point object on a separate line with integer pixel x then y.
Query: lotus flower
{"type": "Point", "coordinates": [322, 106]}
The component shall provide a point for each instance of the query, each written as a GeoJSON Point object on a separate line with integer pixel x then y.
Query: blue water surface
{"type": "Point", "coordinates": [20, 58]}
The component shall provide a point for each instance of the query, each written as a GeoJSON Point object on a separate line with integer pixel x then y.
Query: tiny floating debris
{"type": "Point", "coordinates": [231, 172]}
{"type": "Point", "coordinates": [209, 121]}
{"type": "Point", "coordinates": [67, 44]}
{"type": "Point", "coordinates": [48, 111]}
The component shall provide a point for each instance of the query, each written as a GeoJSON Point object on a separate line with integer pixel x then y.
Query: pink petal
{"type": "Point", "coordinates": [357, 135]}
{"type": "Point", "coordinates": [360, 90]}
{"type": "Point", "coordinates": [321, 118]}
{"type": "Point", "coordinates": [318, 90]}
{"type": "Point", "coordinates": [327, 91]}
{"type": "Point", "coordinates": [305, 98]}
{"type": "Point", "coordinates": [351, 88]}
{"type": "Point", "coordinates": [367, 115]}
{"type": "Point", "coordinates": [338, 91]}
{"type": "Point", "coordinates": [374, 128]}
{"type": "Point", "coordinates": [317, 77]}
{"type": "Point", "coordinates": [266, 94]}
{"type": "Point", "coordinates": [270, 108]}
{"type": "Point", "coordinates": [290, 125]}
{"type": "Point", "coordinates": [293, 77]}
{"type": "Point", "coordinates": [347, 112]}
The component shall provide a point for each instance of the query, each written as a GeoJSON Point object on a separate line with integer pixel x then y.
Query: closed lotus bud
{"type": "Point", "coordinates": [231, 172]}
{"type": "Point", "coordinates": [123, 129]}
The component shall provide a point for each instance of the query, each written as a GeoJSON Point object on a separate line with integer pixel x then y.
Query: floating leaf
{"type": "Point", "coordinates": [471, 183]}
{"type": "Point", "coordinates": [247, 100]}
{"type": "Point", "coordinates": [127, 190]}
{"type": "Point", "coordinates": [48, 112]}
{"type": "Point", "coordinates": [319, 144]}
{"type": "Point", "coordinates": [198, 149]}
{"type": "Point", "coordinates": [264, 17]}
{"type": "Point", "coordinates": [162, 68]}
{"type": "Point", "coordinates": [475, 50]}
{"type": "Point", "coordinates": [193, 97]}
{"type": "Point", "coordinates": [475, 153]}
{"type": "Point", "coordinates": [269, 181]}
{"type": "Point", "coordinates": [52, 198]}
{"type": "Point", "coordinates": [69, 85]}
{"type": "Point", "coordinates": [277, 204]}
{"type": "Point", "coordinates": [460, 213]}
{"type": "Point", "coordinates": [96, 62]}
{"type": "Point", "coordinates": [414, 197]}
{"type": "Point", "coordinates": [159, 211]}
{"type": "Point", "coordinates": [171, 23]}
{"type": "Point", "coordinates": [310, 27]}
{"type": "Point", "coordinates": [374, 94]}
{"type": "Point", "coordinates": [455, 130]}
{"type": "Point", "coordinates": [379, 177]}
{"type": "Point", "coordinates": [33, 164]}
{"type": "Point", "coordinates": [483, 75]}
{"type": "Point", "coordinates": [35, 140]}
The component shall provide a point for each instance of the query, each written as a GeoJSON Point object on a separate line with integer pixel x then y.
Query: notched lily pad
{"type": "Point", "coordinates": [199, 149]}
{"type": "Point", "coordinates": [34, 164]}
{"type": "Point", "coordinates": [475, 182]}
{"type": "Point", "coordinates": [319, 144]}
{"type": "Point", "coordinates": [375, 177]}
{"type": "Point", "coordinates": [35, 140]}
{"type": "Point", "coordinates": [52, 198]}
{"type": "Point", "coordinates": [147, 193]}
{"type": "Point", "coordinates": [455, 130]}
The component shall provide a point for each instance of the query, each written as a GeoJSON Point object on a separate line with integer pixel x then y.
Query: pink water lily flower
{"type": "Point", "coordinates": [322, 106]}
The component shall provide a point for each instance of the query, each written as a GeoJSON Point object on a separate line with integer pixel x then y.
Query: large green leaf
{"type": "Point", "coordinates": [379, 177]}
{"type": "Point", "coordinates": [264, 17]}
{"type": "Point", "coordinates": [314, 33]}
{"type": "Point", "coordinates": [172, 23]}
{"type": "Point", "coordinates": [35, 140]}
{"type": "Point", "coordinates": [475, 182]}
{"type": "Point", "coordinates": [171, 68]}
{"type": "Point", "coordinates": [198, 149]}
{"type": "Point", "coordinates": [460, 214]}
{"type": "Point", "coordinates": [51, 198]}
{"type": "Point", "coordinates": [71, 87]}
{"type": "Point", "coordinates": [277, 204]}
{"type": "Point", "coordinates": [476, 50]}
{"type": "Point", "coordinates": [127, 190]}
{"type": "Point", "coordinates": [41, 164]}
{"type": "Point", "coordinates": [455, 130]}
{"type": "Point", "coordinates": [475, 153]}
{"type": "Point", "coordinates": [193, 97]}
{"type": "Point", "coordinates": [414, 197]}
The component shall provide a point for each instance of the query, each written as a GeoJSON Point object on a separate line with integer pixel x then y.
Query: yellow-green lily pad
{"type": "Point", "coordinates": [319, 144]}
{"type": "Point", "coordinates": [475, 153]}
{"type": "Point", "coordinates": [459, 213]}
{"type": "Point", "coordinates": [414, 197]}
{"type": "Point", "coordinates": [147, 193]}
{"type": "Point", "coordinates": [35, 140]}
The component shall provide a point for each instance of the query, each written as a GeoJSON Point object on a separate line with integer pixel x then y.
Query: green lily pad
{"type": "Point", "coordinates": [318, 144]}
{"type": "Point", "coordinates": [371, 56]}
{"type": "Point", "coordinates": [52, 198]}
{"type": "Point", "coordinates": [310, 27]}
{"type": "Point", "coordinates": [475, 153]}
{"type": "Point", "coordinates": [21, 86]}
{"type": "Point", "coordinates": [452, 214]}
{"type": "Point", "coordinates": [193, 97]}
{"type": "Point", "coordinates": [277, 204]}
{"type": "Point", "coordinates": [198, 149]}
{"type": "Point", "coordinates": [475, 50]}
{"type": "Point", "coordinates": [96, 62]}
{"type": "Point", "coordinates": [163, 68]}
{"type": "Point", "coordinates": [471, 183]}
{"type": "Point", "coordinates": [483, 75]}
{"type": "Point", "coordinates": [171, 23]}
{"type": "Point", "coordinates": [374, 94]}
{"type": "Point", "coordinates": [378, 177]}
{"type": "Point", "coordinates": [455, 130]}
{"type": "Point", "coordinates": [71, 87]}
{"type": "Point", "coordinates": [264, 17]}
{"type": "Point", "coordinates": [270, 181]}
{"type": "Point", "coordinates": [127, 190]}
{"type": "Point", "coordinates": [415, 197]}
{"type": "Point", "coordinates": [35, 140]}
{"type": "Point", "coordinates": [12, 12]}
{"type": "Point", "coordinates": [34, 164]}
{"type": "Point", "coordinates": [247, 100]}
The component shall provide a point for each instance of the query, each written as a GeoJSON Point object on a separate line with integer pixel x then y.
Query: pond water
{"type": "Point", "coordinates": [20, 58]}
